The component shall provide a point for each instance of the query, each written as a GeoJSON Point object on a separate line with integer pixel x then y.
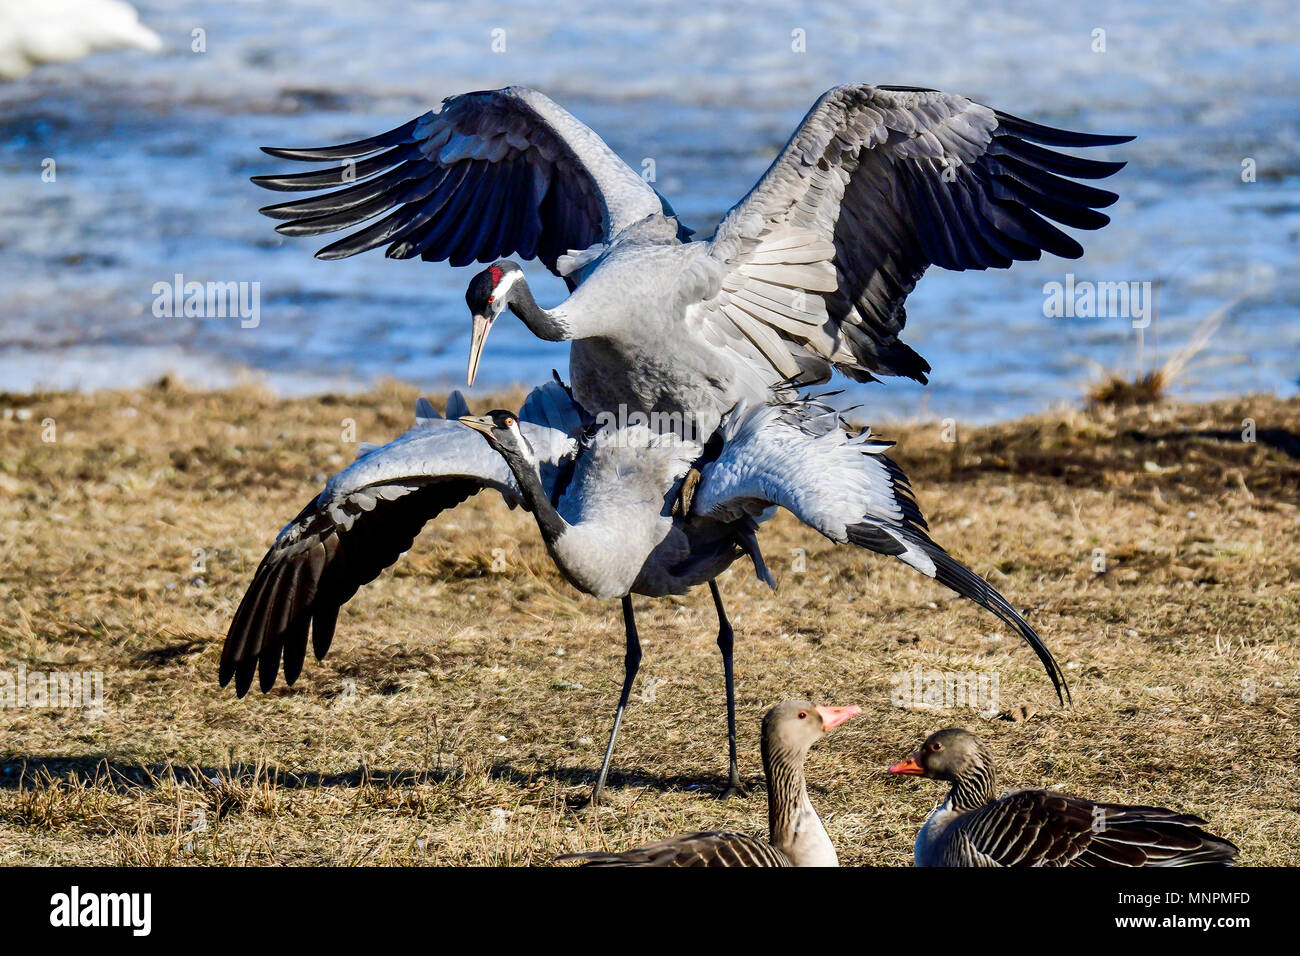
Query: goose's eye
{"type": "Point", "coordinates": [936, 747]}
{"type": "Point", "coordinates": [803, 715]}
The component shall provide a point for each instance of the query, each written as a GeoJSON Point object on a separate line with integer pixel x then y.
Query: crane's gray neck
{"type": "Point", "coordinates": [975, 786]}
{"type": "Point", "coordinates": [793, 825]}
{"type": "Point", "coordinates": [529, 479]}
{"type": "Point", "coordinates": [548, 325]}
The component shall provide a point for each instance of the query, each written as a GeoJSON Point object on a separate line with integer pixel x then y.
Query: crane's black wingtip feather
{"type": "Point", "coordinates": [953, 574]}
{"type": "Point", "coordinates": [301, 154]}
{"type": "Point", "coordinates": [1055, 135]}
{"type": "Point", "coordinates": [268, 181]}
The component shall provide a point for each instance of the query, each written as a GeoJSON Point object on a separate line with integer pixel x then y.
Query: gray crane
{"type": "Point", "coordinates": [807, 273]}
{"type": "Point", "coordinates": [622, 539]}
{"type": "Point", "coordinates": [796, 455]}
{"type": "Point", "coordinates": [604, 499]}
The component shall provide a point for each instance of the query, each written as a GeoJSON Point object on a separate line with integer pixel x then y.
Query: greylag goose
{"type": "Point", "coordinates": [796, 836]}
{"type": "Point", "coordinates": [973, 827]}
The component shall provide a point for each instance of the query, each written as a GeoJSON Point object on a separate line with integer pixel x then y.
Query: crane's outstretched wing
{"type": "Point", "coordinates": [711, 848]}
{"type": "Point", "coordinates": [367, 516]}
{"type": "Point", "coordinates": [800, 456]}
{"type": "Point", "coordinates": [491, 174]}
{"type": "Point", "coordinates": [1041, 828]}
{"type": "Point", "coordinates": [876, 184]}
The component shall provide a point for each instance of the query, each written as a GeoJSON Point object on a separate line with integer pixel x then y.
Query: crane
{"type": "Point", "coordinates": [807, 274]}
{"type": "Point", "coordinates": [604, 499]}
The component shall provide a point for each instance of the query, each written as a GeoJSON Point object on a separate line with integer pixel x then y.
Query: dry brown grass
{"type": "Point", "coordinates": [481, 700]}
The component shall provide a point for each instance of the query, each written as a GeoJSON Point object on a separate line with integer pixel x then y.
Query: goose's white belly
{"type": "Point", "coordinates": [928, 848]}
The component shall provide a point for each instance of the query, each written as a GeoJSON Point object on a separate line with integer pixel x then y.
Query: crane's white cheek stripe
{"type": "Point", "coordinates": [503, 287]}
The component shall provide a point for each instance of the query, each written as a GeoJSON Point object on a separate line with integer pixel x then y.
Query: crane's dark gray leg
{"type": "Point", "coordinates": [631, 661]}
{"type": "Point", "coordinates": [725, 641]}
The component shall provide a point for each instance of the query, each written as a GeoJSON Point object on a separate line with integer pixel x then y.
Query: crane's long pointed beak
{"type": "Point", "coordinates": [911, 766]}
{"type": "Point", "coordinates": [482, 325]}
{"type": "Point", "coordinates": [834, 716]}
{"type": "Point", "coordinates": [480, 423]}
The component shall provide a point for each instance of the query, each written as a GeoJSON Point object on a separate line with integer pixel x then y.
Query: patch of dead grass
{"type": "Point", "coordinates": [461, 712]}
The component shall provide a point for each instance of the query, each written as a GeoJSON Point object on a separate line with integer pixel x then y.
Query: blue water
{"type": "Point", "coordinates": [153, 155]}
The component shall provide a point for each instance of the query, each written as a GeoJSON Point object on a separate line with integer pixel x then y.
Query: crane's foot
{"type": "Point", "coordinates": [734, 791]}
{"type": "Point", "coordinates": [682, 506]}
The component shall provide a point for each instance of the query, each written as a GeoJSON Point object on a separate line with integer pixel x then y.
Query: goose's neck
{"type": "Point", "coordinates": [553, 325]}
{"type": "Point", "coordinates": [793, 825]}
{"type": "Point", "coordinates": [535, 498]}
{"type": "Point", "coordinates": [974, 788]}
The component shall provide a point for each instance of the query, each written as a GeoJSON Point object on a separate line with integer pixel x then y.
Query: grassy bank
{"type": "Point", "coordinates": [462, 709]}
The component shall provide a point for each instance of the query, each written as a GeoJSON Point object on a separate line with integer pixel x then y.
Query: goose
{"type": "Point", "coordinates": [56, 31]}
{"type": "Point", "coordinates": [796, 836]}
{"type": "Point", "coordinates": [601, 498]}
{"type": "Point", "coordinates": [974, 827]}
{"type": "Point", "coordinates": [807, 274]}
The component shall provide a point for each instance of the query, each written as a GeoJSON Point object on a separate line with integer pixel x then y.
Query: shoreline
{"type": "Point", "coordinates": [291, 386]}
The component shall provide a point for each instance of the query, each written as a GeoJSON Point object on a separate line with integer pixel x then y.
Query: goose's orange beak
{"type": "Point", "coordinates": [910, 766]}
{"type": "Point", "coordinates": [834, 716]}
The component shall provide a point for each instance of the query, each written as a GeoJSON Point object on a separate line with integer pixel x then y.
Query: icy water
{"type": "Point", "coordinates": [152, 155]}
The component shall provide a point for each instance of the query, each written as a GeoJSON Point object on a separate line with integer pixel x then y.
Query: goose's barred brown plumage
{"type": "Point", "coordinates": [711, 848]}
{"type": "Point", "coordinates": [1042, 828]}
{"type": "Point", "coordinates": [973, 827]}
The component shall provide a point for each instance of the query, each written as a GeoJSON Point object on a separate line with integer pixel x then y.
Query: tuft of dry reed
{"type": "Point", "coordinates": [1121, 389]}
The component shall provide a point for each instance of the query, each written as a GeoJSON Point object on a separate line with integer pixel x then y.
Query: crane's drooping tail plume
{"type": "Point", "coordinates": [802, 456]}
